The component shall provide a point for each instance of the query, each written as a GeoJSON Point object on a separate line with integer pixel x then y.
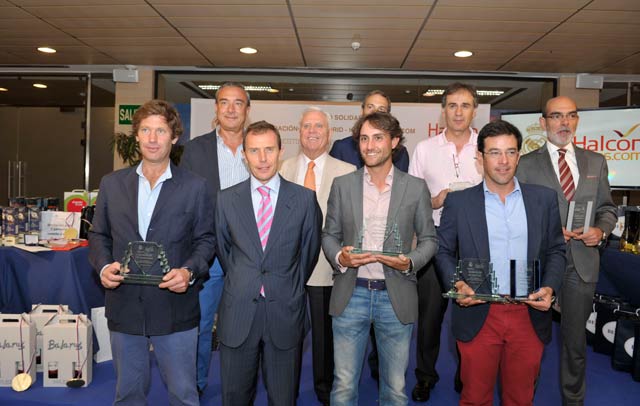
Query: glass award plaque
{"type": "Point", "coordinates": [145, 263]}
{"type": "Point", "coordinates": [523, 277]}
{"type": "Point", "coordinates": [373, 235]}
{"type": "Point", "coordinates": [579, 216]}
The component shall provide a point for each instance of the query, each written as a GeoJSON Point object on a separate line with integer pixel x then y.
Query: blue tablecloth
{"type": "Point", "coordinates": [50, 277]}
{"type": "Point", "coordinates": [619, 275]}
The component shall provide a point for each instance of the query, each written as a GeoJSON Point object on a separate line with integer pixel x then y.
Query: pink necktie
{"type": "Point", "coordinates": [265, 215]}
{"type": "Point", "coordinates": [566, 179]}
{"type": "Point", "coordinates": [265, 218]}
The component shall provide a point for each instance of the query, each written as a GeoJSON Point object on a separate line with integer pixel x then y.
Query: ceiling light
{"type": "Point", "coordinates": [40, 85]}
{"type": "Point", "coordinates": [463, 54]}
{"type": "Point", "coordinates": [248, 50]}
{"type": "Point", "coordinates": [433, 92]}
{"type": "Point", "coordinates": [47, 50]}
{"type": "Point", "coordinates": [249, 88]}
{"type": "Point", "coordinates": [3, 89]}
{"type": "Point", "coordinates": [490, 92]}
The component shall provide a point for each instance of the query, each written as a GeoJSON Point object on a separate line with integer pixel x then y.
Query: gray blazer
{"type": "Point", "coordinates": [323, 273]}
{"type": "Point", "coordinates": [409, 208]}
{"type": "Point", "coordinates": [593, 185]}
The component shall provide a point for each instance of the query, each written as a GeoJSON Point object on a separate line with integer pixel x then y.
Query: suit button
{"type": "Point", "coordinates": [255, 300]}
{"type": "Point", "coordinates": [264, 271]}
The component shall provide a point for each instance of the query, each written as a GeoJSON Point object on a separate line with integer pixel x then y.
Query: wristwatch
{"type": "Point", "coordinates": [602, 240]}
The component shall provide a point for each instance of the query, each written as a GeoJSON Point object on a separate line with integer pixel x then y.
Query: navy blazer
{"type": "Point", "coordinates": [463, 234]}
{"type": "Point", "coordinates": [283, 268]}
{"type": "Point", "coordinates": [181, 222]}
{"type": "Point", "coordinates": [200, 156]}
{"type": "Point", "coordinates": [347, 150]}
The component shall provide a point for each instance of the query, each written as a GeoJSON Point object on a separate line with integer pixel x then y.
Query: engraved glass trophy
{"type": "Point", "coordinates": [579, 216]}
{"type": "Point", "coordinates": [145, 263]}
{"type": "Point", "coordinates": [375, 235]}
{"type": "Point", "coordinates": [523, 279]}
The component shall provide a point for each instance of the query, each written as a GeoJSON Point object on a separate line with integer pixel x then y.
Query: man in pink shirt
{"type": "Point", "coordinates": [446, 162]}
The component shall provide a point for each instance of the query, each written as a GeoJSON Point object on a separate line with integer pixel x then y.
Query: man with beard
{"type": "Point", "coordinates": [580, 176]}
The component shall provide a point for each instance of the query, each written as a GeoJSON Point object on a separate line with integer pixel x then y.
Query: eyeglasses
{"type": "Point", "coordinates": [495, 154]}
{"type": "Point", "coordinates": [572, 115]}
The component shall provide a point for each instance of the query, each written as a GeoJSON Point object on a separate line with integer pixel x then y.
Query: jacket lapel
{"type": "Point", "coordinates": [477, 219]}
{"type": "Point", "coordinates": [246, 215]}
{"type": "Point", "coordinates": [170, 187]}
{"type": "Point", "coordinates": [131, 183]}
{"type": "Point", "coordinates": [280, 215]}
{"type": "Point", "coordinates": [546, 166]}
{"type": "Point", "coordinates": [533, 222]}
{"type": "Point", "coordinates": [356, 197]}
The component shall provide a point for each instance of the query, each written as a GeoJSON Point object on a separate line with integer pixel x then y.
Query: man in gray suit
{"type": "Point", "coordinates": [581, 176]}
{"type": "Point", "coordinates": [269, 241]}
{"type": "Point", "coordinates": [378, 209]}
{"type": "Point", "coordinates": [315, 169]}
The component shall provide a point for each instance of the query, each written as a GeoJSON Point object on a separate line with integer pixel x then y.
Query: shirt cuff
{"type": "Point", "coordinates": [341, 268]}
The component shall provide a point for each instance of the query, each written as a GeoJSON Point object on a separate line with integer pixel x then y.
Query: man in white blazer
{"type": "Point", "coordinates": [315, 169]}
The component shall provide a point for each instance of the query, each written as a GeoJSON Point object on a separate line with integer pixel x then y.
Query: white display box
{"type": "Point", "coordinates": [41, 314]}
{"type": "Point", "coordinates": [67, 350]}
{"type": "Point", "coordinates": [17, 347]}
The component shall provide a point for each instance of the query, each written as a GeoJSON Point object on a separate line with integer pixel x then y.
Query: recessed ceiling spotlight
{"type": "Point", "coordinates": [47, 50]}
{"type": "Point", "coordinates": [40, 85]}
{"type": "Point", "coordinates": [248, 50]}
{"type": "Point", "coordinates": [407, 91]}
{"type": "Point", "coordinates": [291, 89]}
{"type": "Point", "coordinates": [3, 89]}
{"type": "Point", "coordinates": [463, 54]}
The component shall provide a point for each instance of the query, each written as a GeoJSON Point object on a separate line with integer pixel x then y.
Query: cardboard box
{"type": "Point", "coordinates": [67, 350]}
{"type": "Point", "coordinates": [93, 196]}
{"type": "Point", "coordinates": [101, 331]}
{"type": "Point", "coordinates": [75, 200]}
{"type": "Point", "coordinates": [17, 347]}
{"type": "Point", "coordinates": [41, 315]}
{"type": "Point", "coordinates": [55, 225]}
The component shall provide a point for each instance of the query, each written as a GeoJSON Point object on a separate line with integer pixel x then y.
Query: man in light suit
{"type": "Point", "coordinates": [583, 175]}
{"type": "Point", "coordinates": [268, 244]}
{"type": "Point", "coordinates": [347, 149]}
{"type": "Point", "coordinates": [382, 208]}
{"type": "Point", "coordinates": [315, 169]}
{"type": "Point", "coordinates": [217, 157]}
{"type": "Point", "coordinates": [500, 220]}
{"type": "Point", "coordinates": [155, 201]}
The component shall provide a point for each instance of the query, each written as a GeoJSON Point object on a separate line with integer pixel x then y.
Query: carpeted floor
{"type": "Point", "coordinates": [604, 385]}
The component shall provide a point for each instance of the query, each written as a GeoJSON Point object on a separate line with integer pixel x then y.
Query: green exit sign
{"type": "Point", "coordinates": [126, 112]}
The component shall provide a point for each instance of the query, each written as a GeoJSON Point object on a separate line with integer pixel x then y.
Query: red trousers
{"type": "Point", "coordinates": [508, 344]}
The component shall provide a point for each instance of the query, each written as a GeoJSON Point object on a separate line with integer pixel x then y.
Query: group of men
{"type": "Point", "coordinates": [243, 233]}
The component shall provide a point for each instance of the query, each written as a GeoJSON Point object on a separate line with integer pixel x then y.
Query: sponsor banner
{"type": "Point", "coordinates": [418, 120]}
{"type": "Point", "coordinates": [612, 133]}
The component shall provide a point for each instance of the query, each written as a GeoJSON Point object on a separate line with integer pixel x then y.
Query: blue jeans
{"type": "Point", "coordinates": [350, 334]}
{"type": "Point", "coordinates": [209, 300]}
{"type": "Point", "coordinates": [176, 360]}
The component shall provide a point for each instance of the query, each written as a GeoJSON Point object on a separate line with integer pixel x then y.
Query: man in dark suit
{"type": "Point", "coordinates": [217, 157]}
{"type": "Point", "coordinates": [378, 209]}
{"type": "Point", "coordinates": [269, 241]}
{"type": "Point", "coordinates": [159, 202]}
{"type": "Point", "coordinates": [347, 149]}
{"type": "Point", "coordinates": [581, 176]}
{"type": "Point", "coordinates": [499, 220]}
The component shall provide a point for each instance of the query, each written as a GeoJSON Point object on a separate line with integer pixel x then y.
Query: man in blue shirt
{"type": "Point", "coordinates": [500, 220]}
{"type": "Point", "coordinates": [153, 202]}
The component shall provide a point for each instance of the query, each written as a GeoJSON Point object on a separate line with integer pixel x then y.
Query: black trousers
{"type": "Point", "coordinates": [431, 309]}
{"type": "Point", "coordinates": [321, 341]}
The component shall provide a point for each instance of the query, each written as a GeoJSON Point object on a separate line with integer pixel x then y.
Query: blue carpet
{"type": "Point", "coordinates": [604, 385]}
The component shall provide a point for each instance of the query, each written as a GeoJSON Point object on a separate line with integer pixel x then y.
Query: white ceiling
{"type": "Point", "coordinates": [593, 36]}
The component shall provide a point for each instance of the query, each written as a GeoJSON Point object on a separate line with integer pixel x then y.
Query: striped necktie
{"type": "Point", "coordinates": [265, 215]}
{"type": "Point", "coordinates": [566, 178]}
